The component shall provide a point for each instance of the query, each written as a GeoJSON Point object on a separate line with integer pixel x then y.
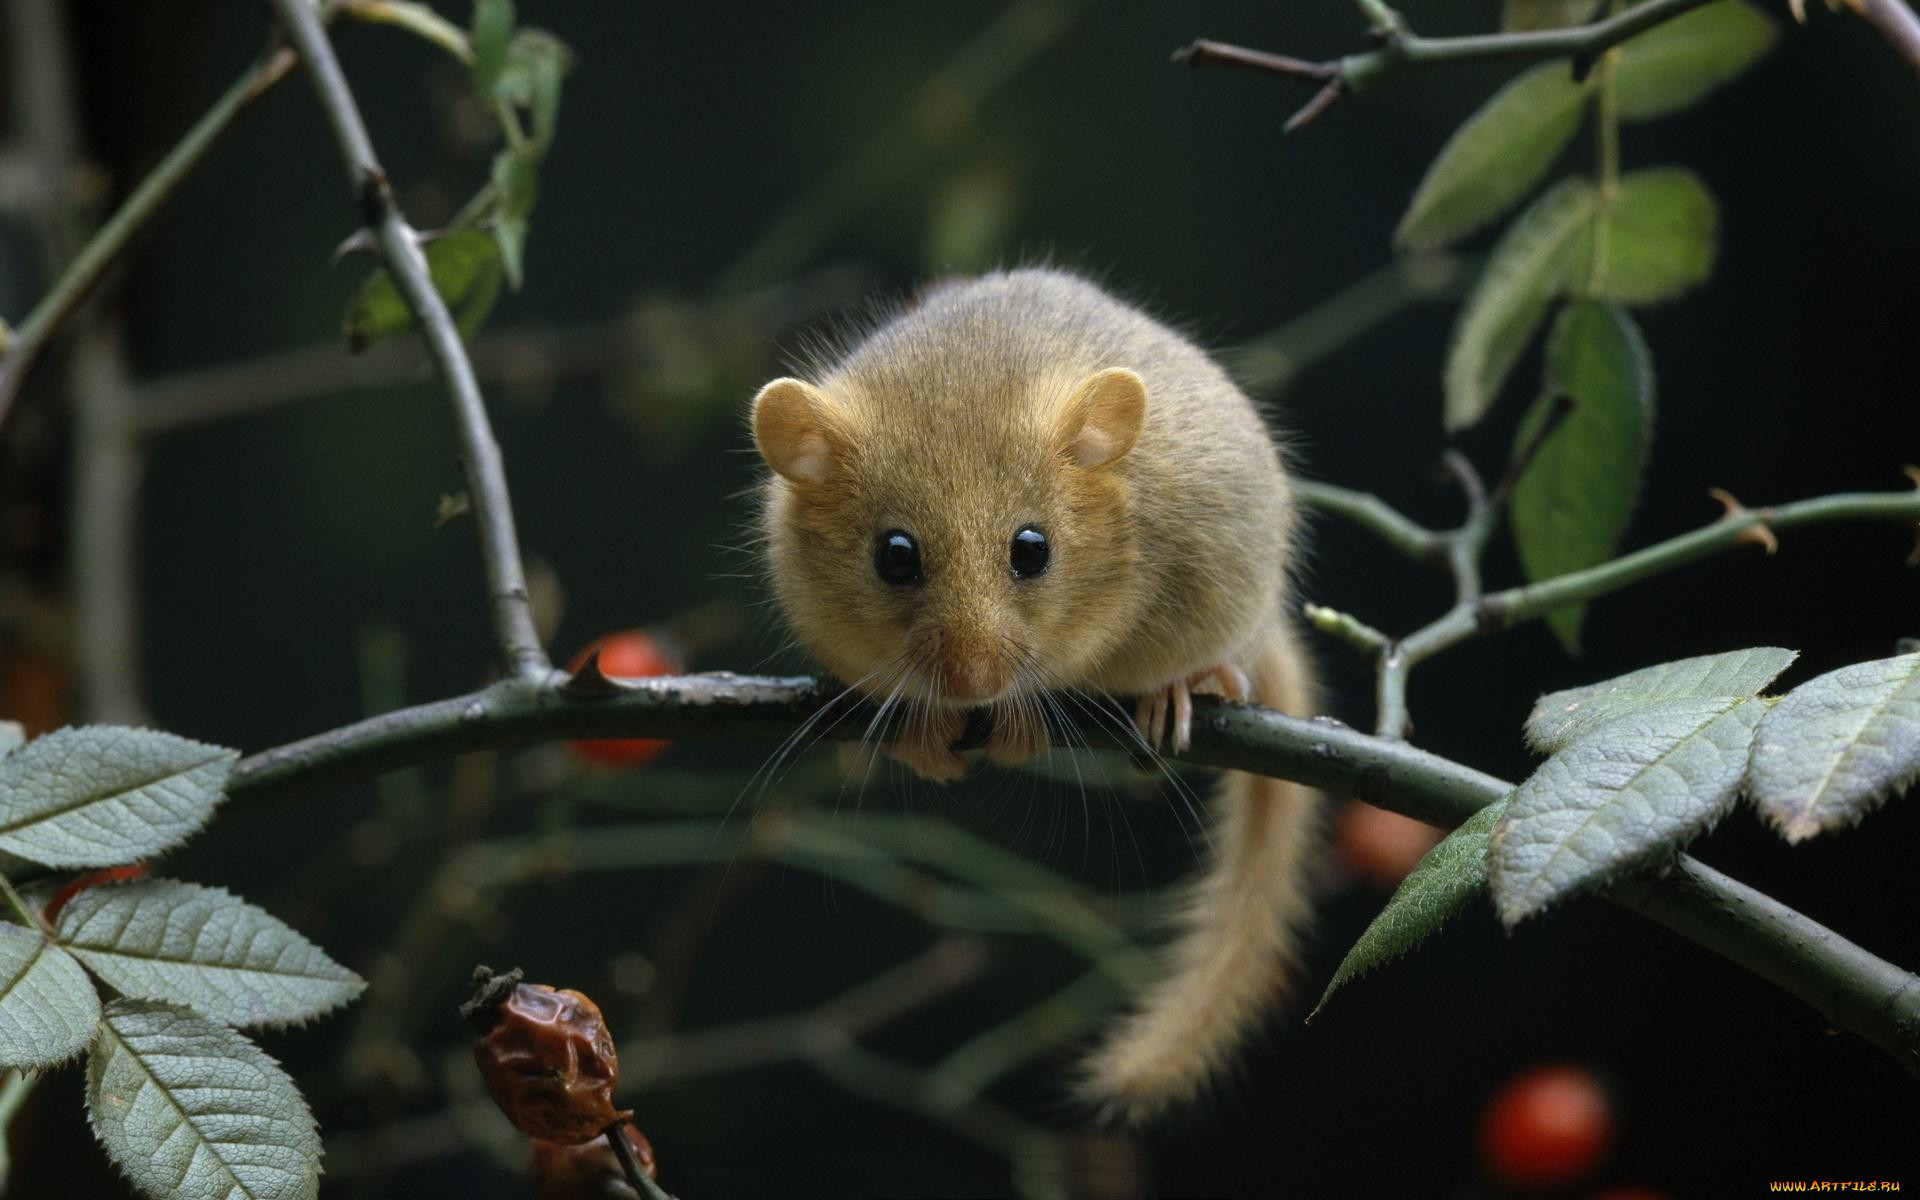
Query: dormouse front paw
{"type": "Point", "coordinates": [1018, 737]}
{"type": "Point", "coordinates": [1173, 705]}
{"type": "Point", "coordinates": [927, 745]}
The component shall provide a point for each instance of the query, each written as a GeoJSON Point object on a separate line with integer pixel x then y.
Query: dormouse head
{"type": "Point", "coordinates": [961, 546]}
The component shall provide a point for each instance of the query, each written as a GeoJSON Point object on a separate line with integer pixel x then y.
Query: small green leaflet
{"type": "Point", "coordinates": [1677, 63]}
{"type": "Point", "coordinates": [1656, 238]}
{"type": "Point", "coordinates": [1496, 157]}
{"type": "Point", "coordinates": [48, 1008]}
{"type": "Point", "coordinates": [191, 1110]}
{"type": "Point", "coordinates": [516, 186]}
{"type": "Point", "coordinates": [1571, 506]}
{"type": "Point", "coordinates": [466, 269]}
{"type": "Point", "coordinates": [530, 77]}
{"type": "Point", "coordinates": [1525, 271]}
{"type": "Point", "coordinates": [1560, 718]}
{"type": "Point", "coordinates": [160, 939]}
{"type": "Point", "coordinates": [1433, 893]}
{"type": "Point", "coordinates": [1837, 746]}
{"type": "Point", "coordinates": [103, 795]}
{"type": "Point", "coordinates": [1627, 795]}
{"type": "Point", "coordinates": [487, 36]}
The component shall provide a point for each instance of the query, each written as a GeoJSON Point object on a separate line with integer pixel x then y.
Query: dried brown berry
{"type": "Point", "coordinates": [589, 1171]}
{"type": "Point", "coordinates": [546, 1057]}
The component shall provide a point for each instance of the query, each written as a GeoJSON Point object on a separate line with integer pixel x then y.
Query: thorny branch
{"type": "Point", "coordinates": [517, 643]}
{"type": "Point", "coordinates": [1853, 989]}
{"type": "Point", "coordinates": [1400, 48]}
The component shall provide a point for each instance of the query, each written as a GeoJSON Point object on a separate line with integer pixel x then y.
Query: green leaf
{"type": "Point", "coordinates": [487, 39]}
{"type": "Point", "coordinates": [1676, 63]}
{"type": "Point", "coordinates": [516, 184]}
{"type": "Point", "coordinates": [191, 1110]}
{"type": "Point", "coordinates": [1433, 893]}
{"type": "Point", "coordinates": [1524, 16]}
{"type": "Point", "coordinates": [1572, 504]}
{"type": "Point", "coordinates": [1524, 273]}
{"type": "Point", "coordinates": [1837, 746]}
{"type": "Point", "coordinates": [1496, 157]}
{"type": "Point", "coordinates": [48, 1008]}
{"type": "Point", "coordinates": [103, 795]}
{"type": "Point", "coordinates": [1656, 238]}
{"type": "Point", "coordinates": [1562, 717]}
{"type": "Point", "coordinates": [160, 939]}
{"type": "Point", "coordinates": [536, 63]}
{"type": "Point", "coordinates": [1620, 798]}
{"type": "Point", "coordinates": [465, 266]}
{"type": "Point", "coordinates": [13, 735]}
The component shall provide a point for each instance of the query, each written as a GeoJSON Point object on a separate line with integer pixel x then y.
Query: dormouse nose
{"type": "Point", "coordinates": [972, 667]}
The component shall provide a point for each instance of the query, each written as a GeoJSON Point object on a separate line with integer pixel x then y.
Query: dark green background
{"type": "Point", "coordinates": [272, 541]}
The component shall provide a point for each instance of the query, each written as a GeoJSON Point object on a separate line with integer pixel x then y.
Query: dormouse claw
{"type": "Point", "coordinates": [1150, 714]}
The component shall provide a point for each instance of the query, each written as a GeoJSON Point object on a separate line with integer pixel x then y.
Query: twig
{"type": "Point", "coordinates": [1401, 48]}
{"type": "Point", "coordinates": [517, 643]}
{"type": "Point", "coordinates": [616, 1135]}
{"type": "Point", "coordinates": [1827, 971]}
{"type": "Point", "coordinates": [19, 1086]}
{"type": "Point", "coordinates": [1377, 517]}
{"type": "Point", "coordinates": [84, 273]}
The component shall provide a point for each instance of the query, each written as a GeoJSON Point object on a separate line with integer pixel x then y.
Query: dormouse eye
{"type": "Point", "coordinates": [896, 558]}
{"type": "Point", "coordinates": [1029, 554]}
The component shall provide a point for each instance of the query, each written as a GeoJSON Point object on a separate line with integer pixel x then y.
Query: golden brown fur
{"type": "Point", "coordinates": [1033, 398]}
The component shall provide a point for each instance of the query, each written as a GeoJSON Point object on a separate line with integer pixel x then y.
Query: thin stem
{"type": "Point", "coordinates": [88, 267]}
{"type": "Point", "coordinates": [517, 643]}
{"type": "Point", "coordinates": [1377, 517]}
{"type": "Point", "coordinates": [1349, 629]}
{"type": "Point", "coordinates": [616, 1135]}
{"type": "Point", "coordinates": [416, 19]}
{"type": "Point", "coordinates": [1510, 607]}
{"type": "Point", "coordinates": [13, 1096]}
{"type": "Point", "coordinates": [1400, 48]}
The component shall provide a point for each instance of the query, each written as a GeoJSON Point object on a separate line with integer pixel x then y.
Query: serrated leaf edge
{"type": "Point", "coordinates": [1800, 825]}
{"type": "Point", "coordinates": [1518, 911]}
{"type": "Point", "coordinates": [354, 983]}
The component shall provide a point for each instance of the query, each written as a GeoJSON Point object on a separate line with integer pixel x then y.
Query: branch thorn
{"type": "Point", "coordinates": [1758, 533]}
{"type": "Point", "coordinates": [1321, 102]}
{"type": "Point", "coordinates": [590, 682]}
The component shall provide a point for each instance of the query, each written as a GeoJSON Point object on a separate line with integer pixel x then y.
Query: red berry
{"type": "Point", "coordinates": [1379, 847]}
{"type": "Point", "coordinates": [1547, 1127]}
{"type": "Point", "coordinates": [547, 1059]}
{"type": "Point", "coordinates": [629, 654]}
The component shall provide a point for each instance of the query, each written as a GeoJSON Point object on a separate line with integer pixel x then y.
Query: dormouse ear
{"type": "Point", "coordinates": [1103, 417]}
{"type": "Point", "coordinates": [796, 432]}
